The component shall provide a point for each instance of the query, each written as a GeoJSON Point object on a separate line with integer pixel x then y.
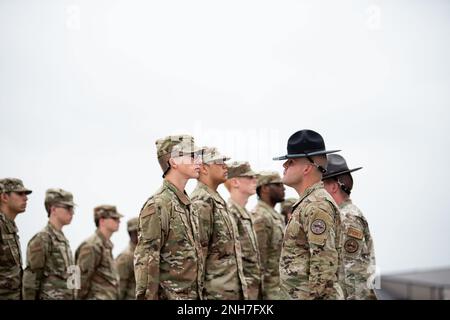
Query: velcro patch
{"type": "Point", "coordinates": [318, 226]}
{"type": "Point", "coordinates": [355, 233]}
{"type": "Point", "coordinates": [351, 246]}
{"type": "Point", "coordinates": [148, 210]}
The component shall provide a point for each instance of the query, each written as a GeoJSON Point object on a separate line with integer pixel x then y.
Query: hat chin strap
{"type": "Point", "coordinates": [319, 167]}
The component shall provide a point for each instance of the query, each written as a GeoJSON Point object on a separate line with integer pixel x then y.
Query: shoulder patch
{"type": "Point", "coordinates": [318, 226]}
{"type": "Point", "coordinates": [148, 210]}
{"type": "Point", "coordinates": [355, 233]}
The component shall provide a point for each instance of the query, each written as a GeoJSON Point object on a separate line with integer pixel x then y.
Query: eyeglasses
{"type": "Point", "coordinates": [276, 184]}
{"type": "Point", "coordinates": [68, 208]}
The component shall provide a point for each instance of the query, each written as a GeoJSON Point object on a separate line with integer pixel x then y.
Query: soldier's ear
{"type": "Point", "coordinates": [4, 196]}
{"type": "Point", "coordinates": [173, 163]}
{"type": "Point", "coordinates": [334, 187]}
{"type": "Point", "coordinates": [204, 169]}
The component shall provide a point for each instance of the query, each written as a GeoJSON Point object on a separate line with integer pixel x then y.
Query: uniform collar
{"type": "Point", "coordinates": [10, 224]}
{"type": "Point", "coordinates": [308, 191]}
{"type": "Point", "coordinates": [107, 243]}
{"type": "Point", "coordinates": [264, 205]}
{"type": "Point", "coordinates": [213, 193]}
{"type": "Point", "coordinates": [242, 211]}
{"type": "Point", "coordinates": [182, 196]}
{"type": "Point", "coordinates": [272, 211]}
{"type": "Point", "coordinates": [345, 203]}
{"type": "Point", "coordinates": [58, 234]}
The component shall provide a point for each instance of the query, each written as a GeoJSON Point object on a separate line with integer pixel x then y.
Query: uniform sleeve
{"type": "Point", "coordinates": [324, 258]}
{"type": "Point", "coordinates": [272, 275]}
{"type": "Point", "coordinates": [87, 260]}
{"type": "Point", "coordinates": [358, 259]}
{"type": "Point", "coordinates": [204, 211]}
{"type": "Point", "coordinates": [32, 276]}
{"type": "Point", "coordinates": [153, 228]}
{"type": "Point", "coordinates": [124, 270]}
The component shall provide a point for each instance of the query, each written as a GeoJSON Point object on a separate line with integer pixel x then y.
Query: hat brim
{"type": "Point", "coordinates": [250, 173]}
{"type": "Point", "coordinates": [67, 203]}
{"type": "Point", "coordinates": [216, 159]}
{"type": "Point", "coordinates": [27, 191]}
{"type": "Point", "coordinates": [304, 155]}
{"type": "Point", "coordinates": [335, 174]}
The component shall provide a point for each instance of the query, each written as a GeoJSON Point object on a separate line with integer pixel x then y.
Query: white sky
{"type": "Point", "coordinates": [88, 86]}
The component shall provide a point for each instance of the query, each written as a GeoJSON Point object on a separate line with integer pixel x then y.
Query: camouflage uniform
{"type": "Point", "coordinates": [223, 274]}
{"type": "Point", "coordinates": [269, 229]}
{"type": "Point", "coordinates": [10, 255]}
{"type": "Point", "coordinates": [99, 276]}
{"type": "Point", "coordinates": [357, 246]}
{"type": "Point", "coordinates": [247, 236]}
{"type": "Point", "coordinates": [168, 257]}
{"type": "Point", "coordinates": [357, 254]}
{"type": "Point", "coordinates": [286, 208]}
{"type": "Point", "coordinates": [125, 266]}
{"type": "Point", "coordinates": [48, 258]}
{"type": "Point", "coordinates": [310, 260]}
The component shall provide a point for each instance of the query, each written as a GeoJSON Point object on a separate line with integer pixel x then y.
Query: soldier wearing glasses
{"type": "Point", "coordinates": [99, 277]}
{"type": "Point", "coordinates": [49, 257]}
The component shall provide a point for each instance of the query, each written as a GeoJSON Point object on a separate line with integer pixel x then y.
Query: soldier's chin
{"type": "Point", "coordinates": [195, 175]}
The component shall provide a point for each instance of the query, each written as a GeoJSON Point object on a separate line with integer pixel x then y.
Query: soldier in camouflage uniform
{"type": "Point", "coordinates": [98, 272]}
{"type": "Point", "coordinates": [310, 261]}
{"type": "Point", "coordinates": [168, 256]}
{"type": "Point", "coordinates": [13, 200]}
{"type": "Point", "coordinates": [269, 228]}
{"type": "Point", "coordinates": [222, 256]}
{"type": "Point", "coordinates": [358, 251]}
{"type": "Point", "coordinates": [241, 184]}
{"type": "Point", "coordinates": [125, 264]}
{"type": "Point", "coordinates": [49, 258]}
{"type": "Point", "coordinates": [286, 208]}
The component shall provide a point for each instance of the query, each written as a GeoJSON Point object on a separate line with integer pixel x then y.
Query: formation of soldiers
{"type": "Point", "coordinates": [201, 246]}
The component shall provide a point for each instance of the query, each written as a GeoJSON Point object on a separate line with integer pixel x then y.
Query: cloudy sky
{"type": "Point", "coordinates": [88, 86]}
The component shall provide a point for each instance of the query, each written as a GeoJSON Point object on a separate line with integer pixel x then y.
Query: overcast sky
{"type": "Point", "coordinates": [88, 86]}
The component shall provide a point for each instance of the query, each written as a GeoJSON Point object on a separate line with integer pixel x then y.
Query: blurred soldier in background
{"type": "Point", "coordinates": [49, 257]}
{"type": "Point", "coordinates": [125, 264]}
{"type": "Point", "coordinates": [13, 200]}
{"type": "Point", "coordinates": [98, 273]}
{"type": "Point", "coordinates": [269, 227]}
{"type": "Point", "coordinates": [286, 208]}
{"type": "Point", "coordinates": [358, 252]}
{"type": "Point", "coordinates": [241, 184]}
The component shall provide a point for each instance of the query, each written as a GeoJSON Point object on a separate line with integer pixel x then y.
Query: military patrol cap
{"type": "Point", "coordinates": [212, 155]}
{"type": "Point", "coordinates": [59, 196]}
{"type": "Point", "coordinates": [106, 211]}
{"type": "Point", "coordinates": [305, 143]}
{"type": "Point", "coordinates": [240, 169]}
{"type": "Point", "coordinates": [174, 146]}
{"type": "Point", "coordinates": [13, 185]}
{"type": "Point", "coordinates": [266, 177]}
{"type": "Point", "coordinates": [132, 224]}
{"type": "Point", "coordinates": [337, 166]}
